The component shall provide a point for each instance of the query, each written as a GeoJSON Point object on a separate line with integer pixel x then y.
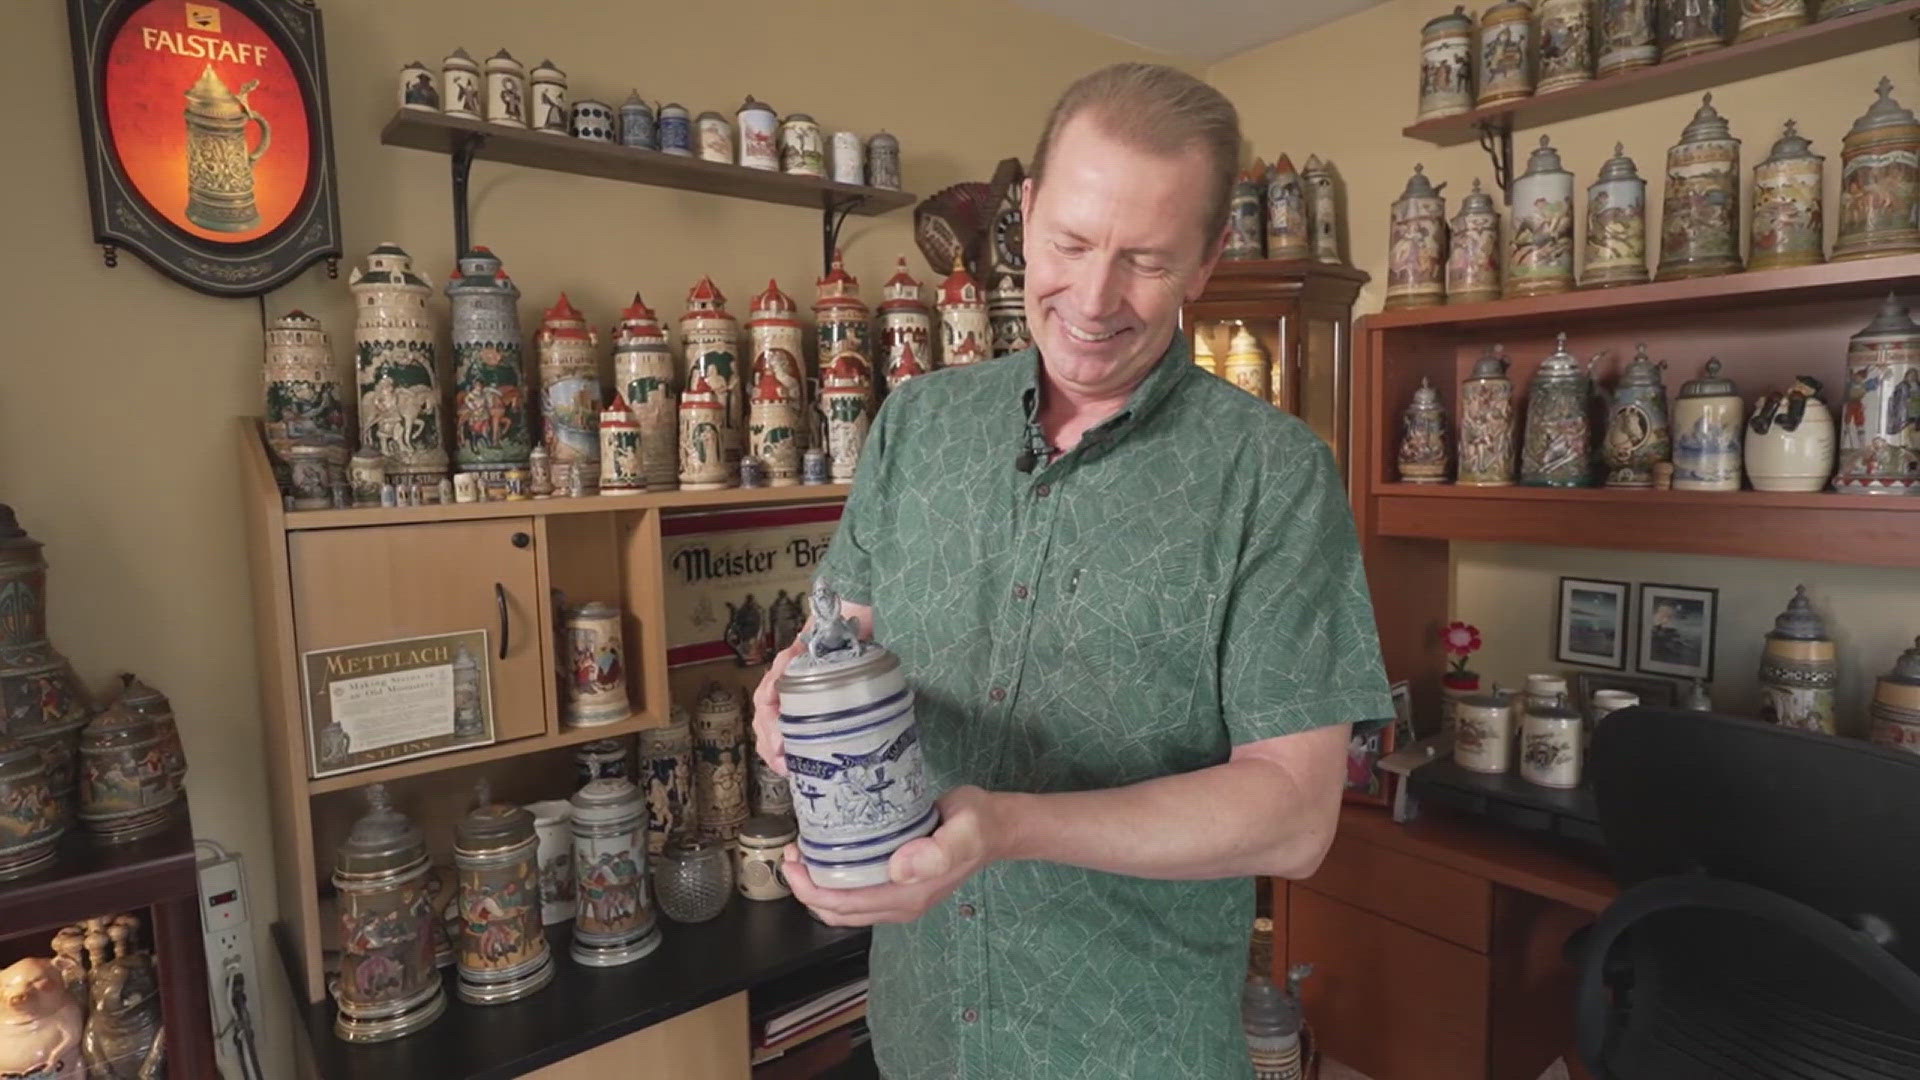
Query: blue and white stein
{"type": "Point", "coordinates": [854, 759]}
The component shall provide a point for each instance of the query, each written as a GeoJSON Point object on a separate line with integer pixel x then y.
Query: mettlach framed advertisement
{"type": "Point", "coordinates": [385, 701]}
{"type": "Point", "coordinates": [205, 127]}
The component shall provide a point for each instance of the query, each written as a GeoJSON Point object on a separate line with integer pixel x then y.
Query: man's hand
{"type": "Point", "coordinates": [766, 710]}
{"type": "Point", "coordinates": [973, 830]}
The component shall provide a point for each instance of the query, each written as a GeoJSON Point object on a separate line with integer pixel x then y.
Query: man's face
{"type": "Point", "coordinates": [1113, 245]}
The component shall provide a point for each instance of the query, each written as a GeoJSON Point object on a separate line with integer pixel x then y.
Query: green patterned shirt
{"type": "Point", "coordinates": [1183, 581]}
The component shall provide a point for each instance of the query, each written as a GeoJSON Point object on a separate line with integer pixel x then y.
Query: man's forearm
{"type": "Point", "coordinates": [1243, 818]}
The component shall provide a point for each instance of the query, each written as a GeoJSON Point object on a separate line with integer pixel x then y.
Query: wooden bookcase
{"type": "Point", "coordinates": [326, 578]}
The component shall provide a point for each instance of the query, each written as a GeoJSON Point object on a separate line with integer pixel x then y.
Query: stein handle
{"type": "Point", "coordinates": [266, 129]}
{"type": "Point", "coordinates": [500, 598]}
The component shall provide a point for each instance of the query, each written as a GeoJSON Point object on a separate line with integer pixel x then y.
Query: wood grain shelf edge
{"type": "Point", "coordinates": [455, 759]}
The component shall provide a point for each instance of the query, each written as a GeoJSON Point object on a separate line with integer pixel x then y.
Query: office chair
{"type": "Point", "coordinates": [1769, 925]}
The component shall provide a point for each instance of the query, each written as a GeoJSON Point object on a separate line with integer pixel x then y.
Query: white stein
{"type": "Point", "coordinates": [1483, 732]}
{"type": "Point", "coordinates": [1550, 747]}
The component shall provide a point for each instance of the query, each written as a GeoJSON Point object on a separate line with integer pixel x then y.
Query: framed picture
{"type": "Point", "coordinates": [1370, 742]}
{"type": "Point", "coordinates": [206, 132]}
{"type": "Point", "coordinates": [385, 701]}
{"type": "Point", "coordinates": [1676, 630]}
{"type": "Point", "coordinates": [1664, 693]}
{"type": "Point", "coordinates": [1593, 623]}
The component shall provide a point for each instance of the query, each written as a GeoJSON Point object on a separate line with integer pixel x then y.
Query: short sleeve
{"type": "Point", "coordinates": [1299, 648]}
{"type": "Point", "coordinates": [848, 567]}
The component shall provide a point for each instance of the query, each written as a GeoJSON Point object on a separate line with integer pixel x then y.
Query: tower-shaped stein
{"type": "Point", "coordinates": [1700, 219]}
{"type": "Point", "coordinates": [503, 953]}
{"type": "Point", "coordinates": [1799, 669]}
{"type": "Point", "coordinates": [1557, 443]}
{"type": "Point", "coordinates": [1880, 418]}
{"type": "Point", "coordinates": [619, 449]}
{"type": "Point", "coordinates": [388, 984]}
{"type": "Point", "coordinates": [1007, 315]}
{"type": "Point", "coordinates": [773, 322]}
{"type": "Point", "coordinates": [1786, 221]}
{"type": "Point", "coordinates": [219, 160]}
{"type": "Point", "coordinates": [643, 374]}
{"type": "Point", "coordinates": [846, 393]}
{"type": "Point", "coordinates": [570, 391]}
{"type": "Point", "coordinates": [491, 430]}
{"type": "Point", "coordinates": [1417, 245]}
{"type": "Point", "coordinates": [1446, 65]}
{"type": "Point", "coordinates": [305, 402]}
{"type": "Point", "coordinates": [1246, 214]}
{"type": "Point", "coordinates": [1638, 434]}
{"type": "Point", "coordinates": [703, 467]}
{"type": "Point", "coordinates": [906, 328]}
{"type": "Point", "coordinates": [719, 762]}
{"type": "Point", "coordinates": [1473, 250]}
{"type": "Point", "coordinates": [774, 417]}
{"type": "Point", "coordinates": [1540, 236]}
{"type": "Point", "coordinates": [1616, 251]}
{"type": "Point", "coordinates": [614, 923]}
{"type": "Point", "coordinates": [1246, 363]}
{"type": "Point", "coordinates": [1323, 209]}
{"type": "Point", "coordinates": [964, 328]}
{"type": "Point", "coordinates": [853, 752]}
{"type": "Point", "coordinates": [1880, 182]}
{"type": "Point", "coordinates": [710, 345]}
{"type": "Point", "coordinates": [1289, 234]}
{"type": "Point", "coordinates": [396, 379]}
{"type": "Point", "coordinates": [841, 321]}
{"type": "Point", "coordinates": [1487, 423]}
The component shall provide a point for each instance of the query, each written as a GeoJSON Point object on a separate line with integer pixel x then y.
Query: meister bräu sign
{"type": "Point", "coordinates": [737, 580]}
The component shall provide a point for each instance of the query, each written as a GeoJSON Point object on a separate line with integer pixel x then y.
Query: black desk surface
{"type": "Point", "coordinates": [750, 942]}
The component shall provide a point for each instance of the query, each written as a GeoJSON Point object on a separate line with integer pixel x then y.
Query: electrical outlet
{"type": "Point", "coordinates": [229, 945]}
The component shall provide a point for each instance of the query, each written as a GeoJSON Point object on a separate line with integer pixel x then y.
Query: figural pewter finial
{"type": "Point", "coordinates": [832, 636]}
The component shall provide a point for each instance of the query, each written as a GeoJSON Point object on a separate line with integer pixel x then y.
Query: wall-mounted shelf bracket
{"type": "Point", "coordinates": [1496, 138]}
{"type": "Point", "coordinates": [831, 219]}
{"type": "Point", "coordinates": [463, 151]}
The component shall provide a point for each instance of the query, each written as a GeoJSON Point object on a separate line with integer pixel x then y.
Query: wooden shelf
{"type": "Point", "coordinates": [1857, 278]}
{"type": "Point", "coordinates": [592, 504]}
{"type": "Point", "coordinates": [1616, 497]}
{"type": "Point", "coordinates": [442, 134]}
{"type": "Point", "coordinates": [1795, 48]}
{"type": "Point", "coordinates": [455, 759]}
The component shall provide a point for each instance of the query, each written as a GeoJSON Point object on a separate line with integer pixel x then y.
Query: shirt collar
{"type": "Point", "coordinates": [1175, 364]}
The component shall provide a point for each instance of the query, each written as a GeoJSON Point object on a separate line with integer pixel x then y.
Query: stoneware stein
{"type": "Point", "coordinates": [757, 858]}
{"type": "Point", "coordinates": [125, 792]}
{"type": "Point", "coordinates": [1487, 423]}
{"type": "Point", "coordinates": [666, 764]}
{"type": "Point", "coordinates": [1505, 70]}
{"type": "Point", "coordinates": [503, 954]}
{"type": "Point", "coordinates": [1894, 716]}
{"type": "Point", "coordinates": [1706, 433]}
{"type": "Point", "coordinates": [601, 758]}
{"type": "Point", "coordinates": [1637, 436]}
{"type": "Point", "coordinates": [1446, 65]}
{"type": "Point", "coordinates": [1417, 245]}
{"type": "Point", "coordinates": [1616, 249]}
{"type": "Point", "coordinates": [1483, 732]}
{"type": "Point", "coordinates": [1540, 234]}
{"type": "Point", "coordinates": [1566, 44]}
{"type": "Point", "coordinates": [460, 85]}
{"type": "Point", "coordinates": [1550, 746]}
{"type": "Point", "coordinates": [553, 831]}
{"type": "Point", "coordinates": [860, 786]}
{"type": "Point", "coordinates": [1422, 457]}
{"type": "Point", "coordinates": [389, 983]}
{"type": "Point", "coordinates": [1558, 436]}
{"type": "Point", "coordinates": [1880, 418]}
{"type": "Point", "coordinates": [615, 923]}
{"type": "Point", "coordinates": [597, 677]}
{"type": "Point", "coordinates": [1474, 253]}
{"type": "Point", "coordinates": [1786, 222]}
{"type": "Point", "coordinates": [1626, 37]}
{"type": "Point", "coordinates": [1799, 668]}
{"type": "Point", "coordinates": [1700, 214]}
{"type": "Point", "coordinates": [1790, 439]}
{"type": "Point", "coordinates": [548, 86]}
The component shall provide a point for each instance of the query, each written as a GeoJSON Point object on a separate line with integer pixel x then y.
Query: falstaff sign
{"type": "Point", "coordinates": [737, 580]}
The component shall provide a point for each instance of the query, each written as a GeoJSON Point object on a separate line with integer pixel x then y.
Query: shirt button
{"type": "Point", "coordinates": [971, 1015]}
{"type": "Point", "coordinates": [966, 911]}
{"type": "Point", "coordinates": [998, 693]}
{"type": "Point", "coordinates": [1043, 490]}
{"type": "Point", "coordinates": [1019, 592]}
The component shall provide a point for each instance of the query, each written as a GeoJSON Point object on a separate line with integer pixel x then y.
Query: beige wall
{"type": "Point", "coordinates": [114, 425]}
{"type": "Point", "coordinates": [1346, 89]}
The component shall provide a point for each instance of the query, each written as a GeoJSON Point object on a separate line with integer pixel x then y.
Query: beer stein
{"type": "Point", "coordinates": [503, 954]}
{"type": "Point", "coordinates": [615, 923]}
{"type": "Point", "coordinates": [219, 165]}
{"type": "Point", "coordinates": [389, 984]}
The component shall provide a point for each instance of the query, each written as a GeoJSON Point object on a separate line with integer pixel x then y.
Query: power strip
{"type": "Point", "coordinates": [229, 948]}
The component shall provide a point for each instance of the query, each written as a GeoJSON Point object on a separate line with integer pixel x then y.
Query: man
{"type": "Point", "coordinates": [1130, 601]}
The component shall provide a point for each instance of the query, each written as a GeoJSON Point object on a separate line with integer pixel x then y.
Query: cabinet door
{"type": "Point", "coordinates": [1384, 998]}
{"type": "Point", "coordinates": [353, 586]}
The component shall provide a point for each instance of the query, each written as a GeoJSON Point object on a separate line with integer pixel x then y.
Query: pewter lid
{"type": "Point", "coordinates": [1906, 670]}
{"type": "Point", "coordinates": [1885, 111]}
{"type": "Point", "coordinates": [143, 699]}
{"type": "Point", "coordinates": [1791, 146]}
{"type": "Point", "coordinates": [1562, 364]}
{"type": "Point", "coordinates": [1477, 201]}
{"type": "Point", "coordinates": [1707, 123]}
{"type": "Point", "coordinates": [1619, 166]}
{"type": "Point", "coordinates": [1891, 320]}
{"type": "Point", "coordinates": [1425, 399]}
{"type": "Point", "coordinates": [1493, 365]}
{"type": "Point", "coordinates": [1799, 622]}
{"type": "Point", "coordinates": [799, 118]}
{"type": "Point", "coordinates": [634, 100]}
{"type": "Point", "coordinates": [594, 609]}
{"type": "Point", "coordinates": [1557, 710]}
{"type": "Point", "coordinates": [503, 56]}
{"type": "Point", "coordinates": [1544, 159]}
{"type": "Point", "coordinates": [674, 105]}
{"type": "Point", "coordinates": [384, 840]}
{"type": "Point", "coordinates": [118, 725]}
{"type": "Point", "coordinates": [1459, 20]}
{"type": "Point", "coordinates": [1419, 187]}
{"type": "Point", "coordinates": [600, 748]}
{"type": "Point", "coordinates": [546, 70]}
{"type": "Point", "coordinates": [1643, 371]}
{"type": "Point", "coordinates": [1267, 1011]}
{"type": "Point", "coordinates": [768, 830]}
{"type": "Point", "coordinates": [491, 825]}
{"type": "Point", "coordinates": [751, 105]}
{"type": "Point", "coordinates": [1709, 384]}
{"type": "Point", "coordinates": [831, 648]}
{"type": "Point", "coordinates": [458, 58]}
{"type": "Point", "coordinates": [607, 799]}
{"type": "Point", "coordinates": [710, 115]}
{"type": "Point", "coordinates": [884, 138]}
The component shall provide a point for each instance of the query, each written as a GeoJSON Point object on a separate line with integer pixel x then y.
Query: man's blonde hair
{"type": "Point", "coordinates": [1162, 111]}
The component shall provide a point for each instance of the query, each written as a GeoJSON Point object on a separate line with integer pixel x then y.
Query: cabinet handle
{"type": "Point", "coordinates": [521, 539]}
{"type": "Point", "coordinates": [500, 597]}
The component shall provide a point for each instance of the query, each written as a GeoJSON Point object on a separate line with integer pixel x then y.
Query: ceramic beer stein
{"type": "Point", "coordinates": [710, 349]}
{"type": "Point", "coordinates": [719, 763]}
{"type": "Point", "coordinates": [144, 700]}
{"type": "Point", "coordinates": [853, 752]}
{"type": "Point", "coordinates": [1616, 249]}
{"type": "Point", "coordinates": [906, 329]}
{"type": "Point", "coordinates": [964, 328]}
{"type": "Point", "coordinates": [1786, 205]}
{"type": "Point", "coordinates": [125, 793]}
{"type": "Point", "coordinates": [666, 769]}
{"type": "Point", "coordinates": [847, 158]}
{"type": "Point", "coordinates": [1691, 26]}
{"type": "Point", "coordinates": [1566, 44]}
{"type": "Point", "coordinates": [1880, 419]}
{"type": "Point", "coordinates": [1627, 37]}
{"type": "Point", "coordinates": [802, 152]}
{"type": "Point", "coordinates": [713, 138]}
{"type": "Point", "coordinates": [547, 86]}
{"type": "Point", "coordinates": [693, 880]}
{"type": "Point", "coordinates": [1799, 670]}
{"type": "Point", "coordinates": [636, 122]}
{"type": "Point", "coordinates": [1880, 182]}
{"type": "Point", "coordinates": [1323, 210]}
{"type": "Point", "coordinates": [602, 758]}
{"type": "Point", "coordinates": [1446, 65]}
{"type": "Point", "coordinates": [1289, 233]}
{"type": "Point", "coordinates": [1555, 449]}
{"type": "Point", "coordinates": [774, 418]}
{"type": "Point", "coordinates": [846, 391]}
{"type": "Point", "coordinates": [883, 161]}
{"type": "Point", "coordinates": [619, 449]}
{"type": "Point", "coordinates": [1894, 716]}
{"type": "Point", "coordinates": [491, 428]}
{"type": "Point", "coordinates": [1637, 436]}
{"type": "Point", "coordinates": [306, 401]}
{"type": "Point", "coordinates": [759, 126]}
{"type": "Point", "coordinates": [1706, 433]}
{"type": "Point", "coordinates": [1483, 732]}
{"type": "Point", "coordinates": [1417, 245]}
{"type": "Point", "coordinates": [615, 924]}
{"type": "Point", "coordinates": [1505, 71]}
{"type": "Point", "coordinates": [772, 795]}
{"type": "Point", "coordinates": [553, 854]}
{"type": "Point", "coordinates": [1007, 315]}
{"type": "Point", "coordinates": [643, 374]}
{"type": "Point", "coordinates": [31, 822]}
{"type": "Point", "coordinates": [1790, 440]}
{"type": "Point", "coordinates": [1422, 457]}
{"type": "Point", "coordinates": [460, 86]}
{"type": "Point", "coordinates": [1246, 214]}
{"type": "Point", "coordinates": [674, 129]}
{"type": "Point", "coordinates": [597, 668]}
{"type": "Point", "coordinates": [396, 376]}
{"type": "Point", "coordinates": [1700, 219]}
{"type": "Point", "coordinates": [702, 420]}
{"type": "Point", "coordinates": [389, 983]}
{"type": "Point", "coordinates": [1551, 745]}
{"type": "Point", "coordinates": [1474, 253]}
{"type": "Point", "coordinates": [1246, 363]}
{"type": "Point", "coordinates": [570, 390]}
{"type": "Point", "coordinates": [503, 953]}
{"type": "Point", "coordinates": [1765, 18]}
{"type": "Point", "coordinates": [1487, 423]}
{"type": "Point", "coordinates": [757, 860]}
{"type": "Point", "coordinates": [1540, 236]}
{"type": "Point", "coordinates": [506, 90]}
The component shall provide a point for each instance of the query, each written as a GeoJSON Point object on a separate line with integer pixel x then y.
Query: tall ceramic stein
{"type": "Point", "coordinates": [491, 428]}
{"type": "Point", "coordinates": [1706, 433]}
{"type": "Point", "coordinates": [1566, 44]}
{"type": "Point", "coordinates": [1700, 222]}
{"type": "Point", "coordinates": [1616, 251]}
{"type": "Point", "coordinates": [1007, 315]}
{"type": "Point", "coordinates": [1627, 36]}
{"type": "Point", "coordinates": [1483, 732]}
{"type": "Point", "coordinates": [666, 764]}
{"type": "Point", "coordinates": [597, 687]}
{"type": "Point", "coordinates": [1765, 18]}
{"type": "Point", "coordinates": [1880, 182]}
{"type": "Point", "coordinates": [964, 328]}
{"type": "Point", "coordinates": [1540, 237]}
{"type": "Point", "coordinates": [1246, 363]}
{"type": "Point", "coordinates": [719, 763]}
{"type": "Point", "coordinates": [842, 321]}
{"type": "Point", "coordinates": [506, 90]}
{"type": "Point", "coordinates": [547, 86]}
{"type": "Point", "coordinates": [1637, 436]}
{"type": "Point", "coordinates": [1505, 71]}
{"type": "Point", "coordinates": [615, 923]}
{"type": "Point", "coordinates": [775, 423]}
{"type": "Point", "coordinates": [389, 984]}
{"type": "Point", "coordinates": [1786, 205]}
{"type": "Point", "coordinates": [643, 374]}
{"type": "Point", "coordinates": [219, 162]}
{"type": "Point", "coordinates": [619, 449]}
{"type": "Point", "coordinates": [570, 389]}
{"type": "Point", "coordinates": [1558, 440]}
{"type": "Point", "coordinates": [853, 751]}
{"type": "Point", "coordinates": [305, 401]}
{"type": "Point", "coordinates": [397, 380]}
{"type": "Point", "coordinates": [1289, 233]}
{"type": "Point", "coordinates": [1323, 210]}
{"type": "Point", "coordinates": [1246, 213]}
{"type": "Point", "coordinates": [1473, 250]}
{"type": "Point", "coordinates": [1880, 420]}
{"type": "Point", "coordinates": [710, 345]}
{"type": "Point", "coordinates": [1486, 423]}
{"type": "Point", "coordinates": [758, 125]}
{"type": "Point", "coordinates": [1691, 26]}
{"type": "Point", "coordinates": [703, 466]}
{"type": "Point", "coordinates": [503, 954]}
{"type": "Point", "coordinates": [553, 854]}
{"type": "Point", "coordinates": [1893, 718]}
{"type": "Point", "coordinates": [846, 389]}
{"type": "Point", "coordinates": [1799, 669]}
{"type": "Point", "coordinates": [1422, 457]}
{"type": "Point", "coordinates": [31, 821]}
{"type": "Point", "coordinates": [1417, 245]}
{"type": "Point", "coordinates": [1551, 744]}
{"type": "Point", "coordinates": [1446, 65]}
{"type": "Point", "coordinates": [906, 328]}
